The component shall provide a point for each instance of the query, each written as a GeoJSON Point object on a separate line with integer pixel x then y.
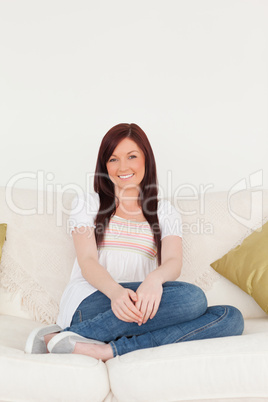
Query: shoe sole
{"type": "Point", "coordinates": [30, 346]}
{"type": "Point", "coordinates": [65, 342]}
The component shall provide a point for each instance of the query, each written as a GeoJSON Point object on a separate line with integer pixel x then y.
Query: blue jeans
{"type": "Point", "coordinates": [182, 316]}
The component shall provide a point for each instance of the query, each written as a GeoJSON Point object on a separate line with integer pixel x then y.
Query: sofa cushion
{"type": "Point", "coordinates": [3, 229]}
{"type": "Point", "coordinates": [46, 377]}
{"type": "Point", "coordinates": [51, 377]}
{"type": "Point", "coordinates": [229, 367]}
{"type": "Point", "coordinates": [247, 266]}
{"type": "Point", "coordinates": [167, 363]}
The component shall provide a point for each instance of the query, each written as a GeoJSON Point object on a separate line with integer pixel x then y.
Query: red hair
{"type": "Point", "coordinates": [147, 198]}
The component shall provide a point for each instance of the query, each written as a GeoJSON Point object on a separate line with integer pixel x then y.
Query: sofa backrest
{"type": "Point", "coordinates": [38, 254]}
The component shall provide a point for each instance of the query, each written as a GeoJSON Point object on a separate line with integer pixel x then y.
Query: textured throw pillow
{"type": "Point", "coordinates": [3, 229]}
{"type": "Point", "coordinates": [247, 266]}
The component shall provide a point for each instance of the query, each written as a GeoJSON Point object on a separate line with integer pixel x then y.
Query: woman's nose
{"type": "Point", "coordinates": [123, 165]}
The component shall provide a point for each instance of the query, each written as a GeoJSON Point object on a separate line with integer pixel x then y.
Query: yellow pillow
{"type": "Point", "coordinates": [3, 229]}
{"type": "Point", "coordinates": [247, 266]}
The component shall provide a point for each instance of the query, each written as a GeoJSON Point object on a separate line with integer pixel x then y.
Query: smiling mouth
{"type": "Point", "coordinates": [126, 177]}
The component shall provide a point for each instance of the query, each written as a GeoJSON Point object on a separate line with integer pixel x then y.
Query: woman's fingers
{"type": "Point", "coordinates": [144, 308]}
{"type": "Point", "coordinates": [147, 313]}
{"type": "Point", "coordinates": [118, 312]}
{"type": "Point", "coordinates": [149, 296]}
{"type": "Point", "coordinates": [122, 315]}
{"type": "Point", "coordinates": [149, 309]}
{"type": "Point", "coordinates": [123, 306]}
{"type": "Point", "coordinates": [126, 312]}
{"type": "Point", "coordinates": [132, 310]}
{"type": "Point", "coordinates": [155, 309]}
{"type": "Point", "coordinates": [121, 300]}
{"type": "Point", "coordinates": [132, 307]}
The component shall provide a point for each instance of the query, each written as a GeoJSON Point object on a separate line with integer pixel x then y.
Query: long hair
{"type": "Point", "coordinates": [103, 185]}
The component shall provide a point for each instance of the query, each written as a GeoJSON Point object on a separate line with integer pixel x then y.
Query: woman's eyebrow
{"type": "Point", "coordinates": [127, 153]}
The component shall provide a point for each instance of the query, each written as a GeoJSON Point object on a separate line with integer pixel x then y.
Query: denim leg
{"type": "Point", "coordinates": [180, 302]}
{"type": "Point", "coordinates": [98, 302]}
{"type": "Point", "coordinates": [218, 321]}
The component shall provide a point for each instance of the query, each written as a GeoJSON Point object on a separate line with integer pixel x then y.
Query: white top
{"type": "Point", "coordinates": [128, 250]}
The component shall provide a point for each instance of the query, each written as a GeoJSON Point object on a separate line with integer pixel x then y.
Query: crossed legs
{"type": "Point", "coordinates": [182, 315]}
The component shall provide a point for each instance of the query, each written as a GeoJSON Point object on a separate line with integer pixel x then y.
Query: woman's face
{"type": "Point", "coordinates": [126, 166]}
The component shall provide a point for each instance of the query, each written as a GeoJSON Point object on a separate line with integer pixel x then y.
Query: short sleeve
{"type": "Point", "coordinates": [83, 211]}
{"type": "Point", "coordinates": [170, 221]}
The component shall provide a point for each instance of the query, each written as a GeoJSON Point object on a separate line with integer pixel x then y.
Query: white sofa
{"type": "Point", "coordinates": [37, 259]}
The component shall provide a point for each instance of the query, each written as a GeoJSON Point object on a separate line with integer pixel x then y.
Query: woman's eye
{"type": "Point", "coordinates": [131, 156]}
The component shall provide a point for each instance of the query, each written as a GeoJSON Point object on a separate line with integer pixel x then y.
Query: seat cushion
{"type": "Point", "coordinates": [219, 368]}
{"type": "Point", "coordinates": [46, 377]}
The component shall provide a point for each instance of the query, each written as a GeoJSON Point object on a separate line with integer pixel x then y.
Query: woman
{"type": "Point", "coordinates": [123, 294]}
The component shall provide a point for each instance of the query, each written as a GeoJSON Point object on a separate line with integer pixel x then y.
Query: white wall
{"type": "Point", "coordinates": [192, 73]}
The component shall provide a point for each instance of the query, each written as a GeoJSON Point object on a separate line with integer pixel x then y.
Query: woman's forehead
{"type": "Point", "coordinates": [126, 146]}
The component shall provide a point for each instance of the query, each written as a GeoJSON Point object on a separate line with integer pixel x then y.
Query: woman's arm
{"type": "Point", "coordinates": [151, 289]}
{"type": "Point", "coordinates": [171, 253]}
{"type": "Point", "coordinates": [87, 257]}
{"type": "Point", "coordinates": [99, 277]}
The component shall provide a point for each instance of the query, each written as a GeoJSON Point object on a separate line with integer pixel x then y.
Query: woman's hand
{"type": "Point", "coordinates": [149, 296]}
{"type": "Point", "coordinates": [123, 307]}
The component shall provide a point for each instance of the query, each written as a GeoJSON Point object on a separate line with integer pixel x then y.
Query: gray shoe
{"type": "Point", "coordinates": [65, 342]}
{"type": "Point", "coordinates": [36, 343]}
